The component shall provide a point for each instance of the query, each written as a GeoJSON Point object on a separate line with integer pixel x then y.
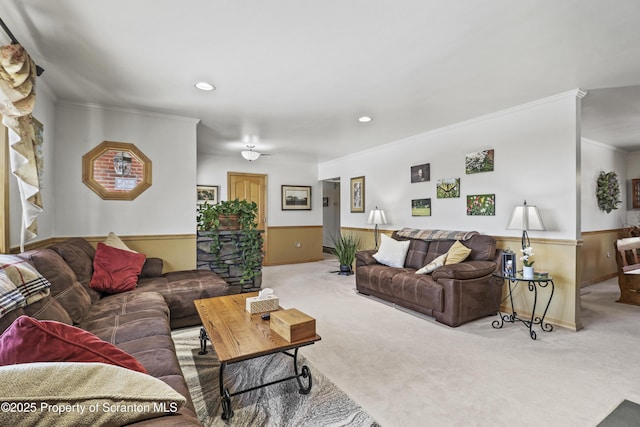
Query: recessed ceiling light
{"type": "Point", "coordinates": [364, 119]}
{"type": "Point", "coordinates": [205, 86]}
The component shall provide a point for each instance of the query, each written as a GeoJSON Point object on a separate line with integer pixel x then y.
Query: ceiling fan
{"type": "Point", "coordinates": [252, 155]}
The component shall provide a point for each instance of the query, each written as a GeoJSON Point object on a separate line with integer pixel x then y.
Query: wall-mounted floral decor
{"type": "Point", "coordinates": [481, 204]}
{"type": "Point", "coordinates": [608, 191]}
{"type": "Point", "coordinates": [481, 161]}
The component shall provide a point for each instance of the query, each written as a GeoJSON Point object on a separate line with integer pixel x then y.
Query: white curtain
{"type": "Point", "coordinates": [17, 99]}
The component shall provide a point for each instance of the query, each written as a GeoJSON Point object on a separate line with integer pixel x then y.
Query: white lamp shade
{"type": "Point", "coordinates": [377, 216]}
{"type": "Point", "coordinates": [525, 217]}
{"type": "Point", "coordinates": [250, 155]}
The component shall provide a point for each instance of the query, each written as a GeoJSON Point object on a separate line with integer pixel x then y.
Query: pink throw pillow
{"type": "Point", "coordinates": [115, 270]}
{"type": "Point", "coordinates": [28, 340]}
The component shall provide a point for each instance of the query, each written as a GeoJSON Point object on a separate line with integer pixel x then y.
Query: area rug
{"type": "Point", "coordinates": [276, 405]}
{"type": "Point", "coordinates": [627, 414]}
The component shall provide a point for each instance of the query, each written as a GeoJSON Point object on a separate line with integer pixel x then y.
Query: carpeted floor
{"type": "Point", "coordinates": [277, 405]}
{"type": "Point", "coordinates": [408, 370]}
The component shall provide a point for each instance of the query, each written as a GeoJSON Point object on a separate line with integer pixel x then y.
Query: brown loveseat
{"type": "Point", "coordinates": [138, 322]}
{"type": "Point", "coordinates": [453, 294]}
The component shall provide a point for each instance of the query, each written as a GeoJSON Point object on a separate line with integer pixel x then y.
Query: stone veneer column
{"type": "Point", "coordinates": [228, 264]}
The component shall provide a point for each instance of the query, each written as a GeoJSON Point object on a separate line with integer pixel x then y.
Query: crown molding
{"type": "Point", "coordinates": [603, 145]}
{"type": "Point", "coordinates": [575, 93]}
{"type": "Point", "coordinates": [127, 110]}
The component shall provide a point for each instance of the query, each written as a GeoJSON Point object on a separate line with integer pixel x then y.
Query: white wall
{"type": "Point", "coordinates": [535, 159]}
{"type": "Point", "coordinates": [212, 170]}
{"type": "Point", "coordinates": [44, 112]}
{"type": "Point", "coordinates": [596, 158]}
{"type": "Point", "coordinates": [164, 208]}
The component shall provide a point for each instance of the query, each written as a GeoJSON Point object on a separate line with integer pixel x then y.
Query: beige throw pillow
{"type": "Point", "coordinates": [85, 393]}
{"type": "Point", "coordinates": [457, 253]}
{"type": "Point", "coordinates": [115, 242]}
{"type": "Point", "coordinates": [438, 262]}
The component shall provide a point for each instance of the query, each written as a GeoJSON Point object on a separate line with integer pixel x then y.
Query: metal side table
{"type": "Point", "coordinates": [532, 284]}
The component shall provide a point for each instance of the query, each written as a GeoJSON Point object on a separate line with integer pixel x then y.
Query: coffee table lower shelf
{"type": "Point", "coordinates": [225, 395]}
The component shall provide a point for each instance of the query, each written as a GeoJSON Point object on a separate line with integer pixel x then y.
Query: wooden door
{"type": "Point", "coordinates": [251, 187]}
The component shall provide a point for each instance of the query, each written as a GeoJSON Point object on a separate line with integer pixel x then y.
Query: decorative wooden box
{"type": "Point", "coordinates": [292, 324]}
{"type": "Point", "coordinates": [255, 305]}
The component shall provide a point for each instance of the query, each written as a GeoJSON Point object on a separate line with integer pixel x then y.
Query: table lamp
{"type": "Point", "coordinates": [525, 217]}
{"type": "Point", "coordinates": [376, 216]}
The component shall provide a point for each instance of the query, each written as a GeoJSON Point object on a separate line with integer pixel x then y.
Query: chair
{"type": "Point", "coordinates": [628, 259]}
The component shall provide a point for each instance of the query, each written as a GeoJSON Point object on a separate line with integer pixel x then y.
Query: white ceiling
{"type": "Point", "coordinates": [296, 74]}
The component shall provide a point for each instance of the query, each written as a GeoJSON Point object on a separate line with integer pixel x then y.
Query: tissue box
{"type": "Point", "coordinates": [292, 324]}
{"type": "Point", "coordinates": [255, 305]}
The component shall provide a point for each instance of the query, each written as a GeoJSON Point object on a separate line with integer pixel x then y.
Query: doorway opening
{"type": "Point", "coordinates": [330, 213]}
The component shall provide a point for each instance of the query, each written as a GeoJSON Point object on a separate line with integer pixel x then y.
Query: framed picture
{"type": "Point", "coordinates": [481, 204]}
{"type": "Point", "coordinates": [357, 194]}
{"type": "Point", "coordinates": [509, 266]}
{"type": "Point", "coordinates": [420, 173]}
{"type": "Point", "coordinates": [296, 198]}
{"type": "Point", "coordinates": [421, 207]}
{"type": "Point", "coordinates": [448, 188]}
{"type": "Point", "coordinates": [208, 193]}
{"type": "Point", "coordinates": [481, 161]}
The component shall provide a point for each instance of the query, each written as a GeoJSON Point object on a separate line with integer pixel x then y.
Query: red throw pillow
{"type": "Point", "coordinates": [28, 340]}
{"type": "Point", "coordinates": [115, 270]}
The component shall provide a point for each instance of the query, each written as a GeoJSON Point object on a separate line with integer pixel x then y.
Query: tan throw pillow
{"type": "Point", "coordinates": [84, 393]}
{"type": "Point", "coordinates": [115, 242]}
{"type": "Point", "coordinates": [457, 253]}
{"type": "Point", "coordinates": [438, 262]}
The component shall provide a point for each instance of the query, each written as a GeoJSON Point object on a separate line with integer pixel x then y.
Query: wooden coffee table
{"type": "Point", "coordinates": [237, 335]}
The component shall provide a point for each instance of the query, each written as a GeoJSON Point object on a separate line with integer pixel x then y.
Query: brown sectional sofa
{"type": "Point", "coordinates": [138, 322]}
{"type": "Point", "coordinates": [452, 294]}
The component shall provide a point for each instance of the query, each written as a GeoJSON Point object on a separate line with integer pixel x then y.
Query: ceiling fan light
{"type": "Point", "coordinates": [250, 155]}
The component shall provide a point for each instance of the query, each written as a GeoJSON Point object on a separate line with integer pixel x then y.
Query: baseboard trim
{"type": "Point", "coordinates": [555, 322]}
{"type": "Point", "coordinates": [598, 279]}
{"type": "Point", "coordinates": [301, 261]}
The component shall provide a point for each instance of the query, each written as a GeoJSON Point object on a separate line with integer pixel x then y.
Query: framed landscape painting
{"type": "Point", "coordinates": [421, 207]}
{"type": "Point", "coordinates": [357, 194]}
{"type": "Point", "coordinates": [481, 204]}
{"type": "Point", "coordinates": [296, 198]}
{"type": "Point", "coordinates": [208, 193]}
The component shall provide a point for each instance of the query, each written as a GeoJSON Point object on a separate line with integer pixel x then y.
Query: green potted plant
{"type": "Point", "coordinates": [234, 215]}
{"type": "Point", "coordinates": [228, 215]}
{"type": "Point", "coordinates": [345, 248]}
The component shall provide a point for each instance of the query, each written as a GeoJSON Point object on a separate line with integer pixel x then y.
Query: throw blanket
{"type": "Point", "coordinates": [415, 233]}
{"type": "Point", "coordinates": [20, 284]}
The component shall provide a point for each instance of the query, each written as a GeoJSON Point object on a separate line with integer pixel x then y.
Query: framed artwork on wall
{"type": "Point", "coordinates": [357, 194]}
{"type": "Point", "coordinates": [296, 198]}
{"type": "Point", "coordinates": [421, 207]}
{"type": "Point", "coordinates": [116, 170]}
{"type": "Point", "coordinates": [448, 188]}
{"type": "Point", "coordinates": [420, 173]}
{"type": "Point", "coordinates": [208, 193]}
{"type": "Point", "coordinates": [481, 204]}
{"type": "Point", "coordinates": [481, 161]}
